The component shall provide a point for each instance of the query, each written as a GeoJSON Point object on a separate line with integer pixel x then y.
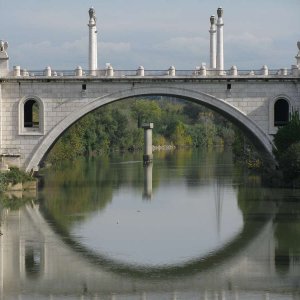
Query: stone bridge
{"type": "Point", "coordinates": [257, 104]}
{"type": "Point", "coordinates": [37, 107]}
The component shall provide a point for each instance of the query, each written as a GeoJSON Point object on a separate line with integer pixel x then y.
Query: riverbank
{"type": "Point", "coordinates": [16, 180]}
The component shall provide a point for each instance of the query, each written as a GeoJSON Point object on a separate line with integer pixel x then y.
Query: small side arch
{"type": "Point", "coordinates": [31, 116]}
{"type": "Point", "coordinates": [280, 108]}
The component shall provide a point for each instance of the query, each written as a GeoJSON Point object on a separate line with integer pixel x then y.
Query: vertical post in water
{"type": "Point", "coordinates": [93, 64]}
{"type": "Point", "coordinates": [148, 156]}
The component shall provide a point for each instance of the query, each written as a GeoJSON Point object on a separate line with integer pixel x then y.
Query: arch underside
{"type": "Point", "coordinates": [261, 140]}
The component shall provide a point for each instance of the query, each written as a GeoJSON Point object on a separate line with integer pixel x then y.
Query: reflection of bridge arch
{"type": "Point", "coordinates": [259, 137]}
{"type": "Point", "coordinates": [64, 271]}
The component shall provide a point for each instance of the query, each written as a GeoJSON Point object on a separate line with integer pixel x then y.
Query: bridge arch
{"type": "Point", "coordinates": [260, 139]}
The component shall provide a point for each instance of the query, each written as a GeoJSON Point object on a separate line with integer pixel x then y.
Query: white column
{"type": "Point", "coordinates": [213, 45]}
{"type": "Point", "coordinates": [220, 42]}
{"type": "Point", "coordinates": [298, 55]}
{"type": "Point", "coordinates": [93, 64]}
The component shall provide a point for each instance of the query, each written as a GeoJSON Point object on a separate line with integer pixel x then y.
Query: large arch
{"type": "Point", "coordinates": [259, 138]}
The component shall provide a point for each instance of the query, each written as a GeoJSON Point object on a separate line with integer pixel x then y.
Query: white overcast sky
{"type": "Point", "coordinates": [152, 33]}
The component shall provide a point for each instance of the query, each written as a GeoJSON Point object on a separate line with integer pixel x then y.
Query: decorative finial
{"type": "Point", "coordinates": [92, 14]}
{"type": "Point", "coordinates": [220, 12]}
{"type": "Point", "coordinates": [3, 46]}
{"type": "Point", "coordinates": [212, 20]}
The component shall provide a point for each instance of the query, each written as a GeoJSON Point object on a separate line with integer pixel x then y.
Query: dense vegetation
{"type": "Point", "coordinates": [14, 176]}
{"type": "Point", "coordinates": [116, 127]}
{"type": "Point", "coordinates": [287, 142]}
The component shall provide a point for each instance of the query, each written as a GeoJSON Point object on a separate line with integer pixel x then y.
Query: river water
{"type": "Point", "coordinates": [191, 225]}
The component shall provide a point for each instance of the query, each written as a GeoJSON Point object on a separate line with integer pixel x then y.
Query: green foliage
{"type": "Point", "coordinates": [14, 176]}
{"type": "Point", "coordinates": [115, 127]}
{"type": "Point", "coordinates": [287, 142]}
{"type": "Point", "coordinates": [145, 111]}
{"type": "Point", "coordinates": [289, 161]}
{"type": "Point", "coordinates": [180, 137]}
{"type": "Point", "coordinates": [288, 134]}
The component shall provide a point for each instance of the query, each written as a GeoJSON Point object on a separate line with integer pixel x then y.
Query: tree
{"type": "Point", "coordinates": [288, 134]}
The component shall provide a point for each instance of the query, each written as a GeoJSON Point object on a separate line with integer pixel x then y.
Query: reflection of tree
{"type": "Point", "coordinates": [75, 190]}
{"type": "Point", "coordinates": [287, 235]}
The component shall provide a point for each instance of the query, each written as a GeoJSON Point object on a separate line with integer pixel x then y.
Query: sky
{"type": "Point", "coordinates": [153, 33]}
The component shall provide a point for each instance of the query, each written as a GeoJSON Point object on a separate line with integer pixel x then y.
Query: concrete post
{"type": "Point", "coordinates": [93, 60]}
{"type": "Point", "coordinates": [213, 45]}
{"type": "Point", "coordinates": [295, 70]}
{"type": "Point", "coordinates": [172, 71]}
{"type": "Point", "coordinates": [47, 71]}
{"type": "Point", "coordinates": [264, 70]}
{"type": "Point", "coordinates": [220, 42]}
{"type": "Point", "coordinates": [17, 71]}
{"type": "Point", "coordinates": [202, 70]}
{"type": "Point", "coordinates": [233, 71]}
{"type": "Point", "coordinates": [110, 71]}
{"type": "Point", "coordinates": [78, 71]}
{"type": "Point", "coordinates": [140, 71]}
{"type": "Point", "coordinates": [148, 156]}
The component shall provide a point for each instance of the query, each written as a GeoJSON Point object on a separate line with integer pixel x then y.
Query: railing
{"type": "Point", "coordinates": [197, 73]}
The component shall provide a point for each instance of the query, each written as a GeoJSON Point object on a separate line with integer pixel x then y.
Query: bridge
{"type": "Point", "coordinates": [36, 107]}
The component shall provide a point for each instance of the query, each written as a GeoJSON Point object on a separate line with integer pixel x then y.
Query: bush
{"type": "Point", "coordinates": [288, 134]}
{"type": "Point", "coordinates": [289, 162]}
{"type": "Point", "coordinates": [14, 176]}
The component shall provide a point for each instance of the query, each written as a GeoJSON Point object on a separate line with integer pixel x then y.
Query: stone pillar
{"type": "Point", "coordinates": [93, 63]}
{"type": "Point", "coordinates": [140, 71]}
{"type": "Point", "coordinates": [4, 68]}
{"type": "Point", "coordinates": [202, 70]}
{"type": "Point", "coordinates": [78, 71]}
{"type": "Point", "coordinates": [148, 170]}
{"type": "Point", "coordinates": [264, 70]}
{"type": "Point", "coordinates": [110, 71]}
{"type": "Point", "coordinates": [213, 45]}
{"type": "Point", "coordinates": [17, 71]}
{"type": "Point", "coordinates": [298, 55]}
{"type": "Point", "coordinates": [172, 71]}
{"type": "Point", "coordinates": [233, 71]}
{"type": "Point", "coordinates": [148, 156]}
{"type": "Point", "coordinates": [47, 71]}
{"type": "Point", "coordinates": [220, 42]}
{"type": "Point", "coordinates": [295, 70]}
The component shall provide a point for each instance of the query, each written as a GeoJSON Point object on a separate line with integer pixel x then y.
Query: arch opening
{"type": "Point", "coordinates": [31, 114]}
{"type": "Point", "coordinates": [259, 138]}
{"type": "Point", "coordinates": [281, 112]}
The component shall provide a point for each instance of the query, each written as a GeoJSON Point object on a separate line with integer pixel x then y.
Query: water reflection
{"type": "Point", "coordinates": [46, 255]}
{"type": "Point", "coordinates": [148, 170]}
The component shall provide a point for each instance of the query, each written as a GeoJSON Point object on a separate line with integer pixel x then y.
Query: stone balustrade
{"type": "Point", "coordinates": [200, 72]}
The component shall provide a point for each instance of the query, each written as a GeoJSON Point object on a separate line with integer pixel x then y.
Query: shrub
{"type": "Point", "coordinates": [289, 162]}
{"type": "Point", "coordinates": [288, 134]}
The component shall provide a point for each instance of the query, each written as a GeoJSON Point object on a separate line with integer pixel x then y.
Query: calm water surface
{"type": "Point", "coordinates": [192, 225]}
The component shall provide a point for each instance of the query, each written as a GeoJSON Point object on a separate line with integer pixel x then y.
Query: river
{"type": "Point", "coordinates": [191, 225]}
